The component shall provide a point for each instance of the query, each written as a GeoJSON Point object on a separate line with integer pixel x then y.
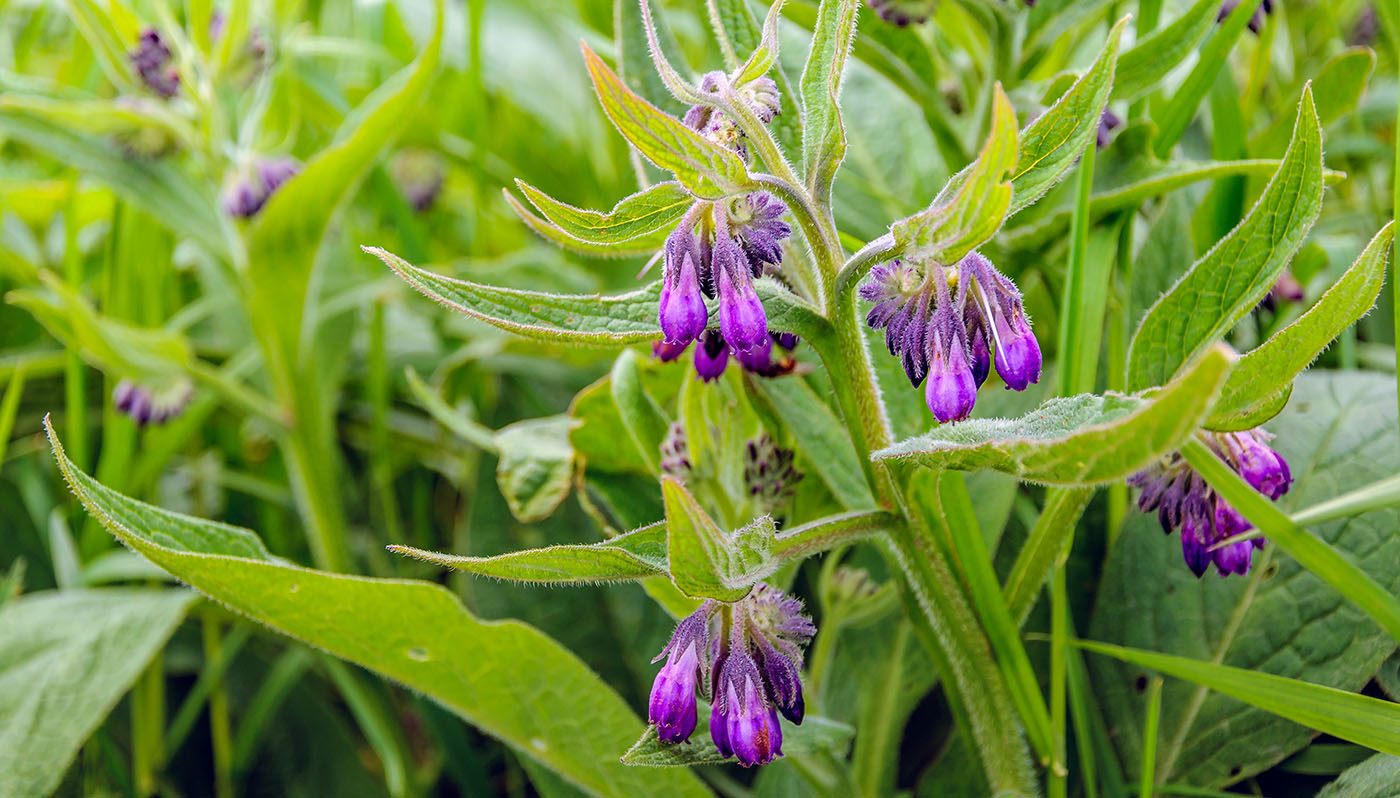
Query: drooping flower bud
{"type": "Point", "coordinates": [903, 12]}
{"type": "Point", "coordinates": [667, 352]}
{"type": "Point", "coordinates": [748, 724]}
{"type": "Point", "coordinates": [151, 60]}
{"type": "Point", "coordinates": [711, 355]}
{"type": "Point", "coordinates": [951, 391]}
{"type": "Point", "coordinates": [152, 405]}
{"type": "Point", "coordinates": [682, 310]}
{"type": "Point", "coordinates": [248, 190]}
{"type": "Point", "coordinates": [769, 475]}
{"type": "Point", "coordinates": [672, 707]}
{"type": "Point", "coordinates": [1108, 121]}
{"type": "Point", "coordinates": [742, 320]}
{"type": "Point", "coordinates": [675, 452]}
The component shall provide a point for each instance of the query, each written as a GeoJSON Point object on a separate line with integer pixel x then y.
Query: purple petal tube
{"type": "Point", "coordinates": [1234, 558]}
{"type": "Point", "coordinates": [742, 319]}
{"type": "Point", "coordinates": [1018, 352]}
{"type": "Point", "coordinates": [784, 683]}
{"type": "Point", "coordinates": [1260, 465]}
{"type": "Point", "coordinates": [759, 360]}
{"type": "Point", "coordinates": [1193, 544]}
{"type": "Point", "coordinates": [667, 352]}
{"type": "Point", "coordinates": [682, 308]}
{"type": "Point", "coordinates": [672, 707]}
{"type": "Point", "coordinates": [747, 724]}
{"type": "Point", "coordinates": [711, 355]}
{"type": "Point", "coordinates": [951, 391]}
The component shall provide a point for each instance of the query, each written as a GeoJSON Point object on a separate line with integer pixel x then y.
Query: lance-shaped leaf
{"type": "Point", "coordinates": [641, 416]}
{"type": "Point", "coordinates": [765, 55]}
{"type": "Point", "coordinates": [705, 561]}
{"type": "Point", "coordinates": [641, 213]}
{"type": "Point", "coordinates": [1054, 141]}
{"type": "Point", "coordinates": [1229, 280]}
{"type": "Point", "coordinates": [969, 214]}
{"type": "Point", "coordinates": [643, 244]}
{"type": "Point", "coordinates": [1079, 440]}
{"type": "Point", "coordinates": [413, 632]}
{"type": "Point", "coordinates": [1143, 67]}
{"type": "Point", "coordinates": [634, 555]}
{"type": "Point", "coordinates": [705, 168]}
{"type": "Point", "coordinates": [587, 318]}
{"type": "Point", "coordinates": [1364, 720]}
{"type": "Point", "coordinates": [1251, 395]}
{"type": "Point", "coordinates": [69, 657]}
{"type": "Point", "coordinates": [823, 136]}
{"type": "Point", "coordinates": [816, 735]}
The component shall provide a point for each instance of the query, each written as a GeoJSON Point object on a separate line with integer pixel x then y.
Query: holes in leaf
{"type": "Point", "coordinates": [1236, 771]}
{"type": "Point", "coordinates": [294, 588]}
{"type": "Point", "coordinates": [1140, 683]}
{"type": "Point", "coordinates": [1271, 570]}
{"type": "Point", "coordinates": [418, 654]}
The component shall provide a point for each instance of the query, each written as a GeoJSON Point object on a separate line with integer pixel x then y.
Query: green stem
{"type": "Point", "coordinates": [1078, 347]}
{"type": "Point", "coordinates": [1148, 779]}
{"type": "Point", "coordinates": [308, 462]}
{"type": "Point", "coordinates": [147, 721]}
{"type": "Point", "coordinates": [219, 734]}
{"type": "Point", "coordinates": [1057, 782]}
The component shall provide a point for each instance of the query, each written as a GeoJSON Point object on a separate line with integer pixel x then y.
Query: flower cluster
{"type": "Point", "coordinates": [769, 475]}
{"type": "Point", "coordinates": [1256, 19]}
{"type": "Point", "coordinates": [747, 657]}
{"type": "Point", "coordinates": [249, 190]}
{"type": "Point", "coordinates": [675, 453]}
{"type": "Point", "coordinates": [418, 173]}
{"type": "Point", "coordinates": [945, 322]}
{"type": "Point", "coordinates": [152, 405]}
{"type": "Point", "coordinates": [1183, 500]}
{"type": "Point", "coordinates": [151, 60]}
{"type": "Point", "coordinates": [1287, 288]}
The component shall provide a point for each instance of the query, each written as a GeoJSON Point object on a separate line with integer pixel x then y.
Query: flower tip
{"type": "Point", "coordinates": [951, 391]}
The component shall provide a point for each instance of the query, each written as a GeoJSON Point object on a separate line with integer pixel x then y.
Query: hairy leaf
{"type": "Point", "coordinates": [705, 168]}
{"type": "Point", "coordinates": [547, 704]}
{"type": "Point", "coordinates": [536, 466]}
{"type": "Point", "coordinates": [765, 55]}
{"type": "Point", "coordinates": [69, 657]}
{"type": "Point", "coordinates": [1252, 393]}
{"type": "Point", "coordinates": [1229, 280]}
{"type": "Point", "coordinates": [823, 136]}
{"type": "Point", "coordinates": [705, 561]}
{"type": "Point", "coordinates": [816, 735]}
{"type": "Point", "coordinates": [644, 244]}
{"type": "Point", "coordinates": [1142, 68]}
{"type": "Point", "coordinates": [634, 555]}
{"type": "Point", "coordinates": [1339, 431]}
{"type": "Point", "coordinates": [643, 212]}
{"type": "Point", "coordinates": [1079, 440]}
{"type": "Point", "coordinates": [1377, 777]}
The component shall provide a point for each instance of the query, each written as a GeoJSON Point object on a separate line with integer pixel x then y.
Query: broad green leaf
{"type": "Point", "coordinates": [1054, 141]}
{"type": "Point", "coordinates": [536, 466]}
{"type": "Point", "coordinates": [68, 658]}
{"type": "Point", "coordinates": [1361, 719]}
{"type": "Point", "coordinates": [823, 136]}
{"type": "Point", "coordinates": [1181, 108]}
{"type": "Point", "coordinates": [1044, 548]}
{"type": "Point", "coordinates": [705, 561]}
{"type": "Point", "coordinates": [157, 186]}
{"type": "Point", "coordinates": [1079, 440]}
{"type": "Point", "coordinates": [1142, 68]}
{"type": "Point", "coordinates": [1377, 777]}
{"type": "Point", "coordinates": [644, 212]}
{"type": "Point", "coordinates": [967, 215]}
{"type": "Point", "coordinates": [1338, 432]}
{"type": "Point", "coordinates": [1251, 394]}
{"type": "Point", "coordinates": [585, 319]}
{"type": "Point", "coordinates": [1229, 280]}
{"type": "Point", "coordinates": [643, 244]}
{"type": "Point", "coordinates": [816, 735]}
{"type": "Point", "coordinates": [708, 170]}
{"type": "Point", "coordinates": [547, 705]}
{"type": "Point", "coordinates": [634, 555]}
{"type": "Point", "coordinates": [820, 437]}
{"type": "Point", "coordinates": [641, 416]}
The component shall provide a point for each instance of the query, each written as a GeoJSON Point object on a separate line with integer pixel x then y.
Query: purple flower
{"type": "Point", "coordinates": [248, 190]}
{"type": "Point", "coordinates": [151, 60]}
{"type": "Point", "coordinates": [769, 475]}
{"type": "Point", "coordinates": [742, 722]}
{"type": "Point", "coordinates": [742, 320]}
{"type": "Point", "coordinates": [903, 12]}
{"type": "Point", "coordinates": [667, 352]}
{"type": "Point", "coordinates": [682, 310]}
{"type": "Point", "coordinates": [1108, 121]}
{"type": "Point", "coordinates": [1256, 19]}
{"type": "Point", "coordinates": [711, 355]}
{"type": "Point", "coordinates": [951, 391]}
{"type": "Point", "coordinates": [146, 405]}
{"type": "Point", "coordinates": [1287, 288]}
{"type": "Point", "coordinates": [672, 705]}
{"type": "Point", "coordinates": [1184, 501]}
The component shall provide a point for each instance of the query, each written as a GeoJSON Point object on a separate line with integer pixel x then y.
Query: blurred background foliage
{"type": "Point", "coordinates": [118, 262]}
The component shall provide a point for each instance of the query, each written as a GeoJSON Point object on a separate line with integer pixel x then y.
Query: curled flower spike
{"type": "Point", "coordinates": [675, 452]}
{"type": "Point", "coordinates": [248, 191]}
{"type": "Point", "coordinates": [760, 95]}
{"type": "Point", "coordinates": [146, 405]}
{"type": "Point", "coordinates": [769, 475]}
{"type": "Point", "coordinates": [151, 60]}
{"type": "Point", "coordinates": [945, 323]}
{"type": "Point", "coordinates": [752, 664]}
{"type": "Point", "coordinates": [1108, 121]}
{"type": "Point", "coordinates": [1184, 501]}
{"type": "Point", "coordinates": [903, 12]}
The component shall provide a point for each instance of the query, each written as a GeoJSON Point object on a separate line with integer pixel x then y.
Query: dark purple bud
{"type": "Point", "coordinates": [903, 12]}
{"type": "Point", "coordinates": [748, 724]}
{"type": "Point", "coordinates": [711, 355]}
{"type": "Point", "coordinates": [151, 60]}
{"type": "Point", "coordinates": [788, 341]}
{"type": "Point", "coordinates": [243, 199]}
{"type": "Point", "coordinates": [1108, 121]}
{"type": "Point", "coordinates": [1256, 18]}
{"type": "Point", "coordinates": [682, 310]}
{"type": "Point", "coordinates": [981, 355]}
{"type": "Point", "coordinates": [274, 172]}
{"type": "Point", "coordinates": [667, 352]}
{"type": "Point", "coordinates": [672, 705]}
{"type": "Point", "coordinates": [769, 475]}
{"type": "Point", "coordinates": [1193, 544]}
{"type": "Point", "coordinates": [1018, 352]}
{"type": "Point", "coordinates": [675, 452]}
{"type": "Point", "coordinates": [784, 682]}
{"type": "Point", "coordinates": [123, 396]}
{"type": "Point", "coordinates": [951, 391]}
{"type": "Point", "coordinates": [742, 319]}
{"type": "Point", "coordinates": [759, 359]}
{"type": "Point", "coordinates": [1286, 289]}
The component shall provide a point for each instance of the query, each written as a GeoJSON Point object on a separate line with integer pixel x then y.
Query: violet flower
{"type": "Point", "coordinates": [151, 60]}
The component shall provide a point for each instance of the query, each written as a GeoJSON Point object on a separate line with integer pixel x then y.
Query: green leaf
{"type": "Point", "coordinates": [816, 735]}
{"type": "Point", "coordinates": [765, 55]}
{"type": "Point", "coordinates": [705, 561]}
{"type": "Point", "coordinates": [1339, 431]}
{"type": "Point", "coordinates": [536, 466]}
{"type": "Point", "coordinates": [643, 244]}
{"type": "Point", "coordinates": [641, 416]}
{"type": "Point", "coordinates": [585, 319]}
{"type": "Point", "coordinates": [1361, 719]}
{"type": "Point", "coordinates": [1143, 67]}
{"type": "Point", "coordinates": [634, 555]}
{"type": "Point", "coordinates": [547, 705]}
{"type": "Point", "coordinates": [972, 208]}
{"type": "Point", "coordinates": [1252, 393]}
{"type": "Point", "coordinates": [69, 657]}
{"type": "Point", "coordinates": [1079, 440]}
{"type": "Point", "coordinates": [1377, 777]}
{"type": "Point", "coordinates": [1174, 118]}
{"type": "Point", "coordinates": [1044, 547]}
{"type": "Point", "coordinates": [1229, 280]}
{"type": "Point", "coordinates": [820, 437]}
{"type": "Point", "coordinates": [823, 135]}
{"type": "Point", "coordinates": [1054, 141]}
{"type": "Point", "coordinates": [1337, 87]}
{"type": "Point", "coordinates": [708, 170]}
{"type": "Point", "coordinates": [643, 212]}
